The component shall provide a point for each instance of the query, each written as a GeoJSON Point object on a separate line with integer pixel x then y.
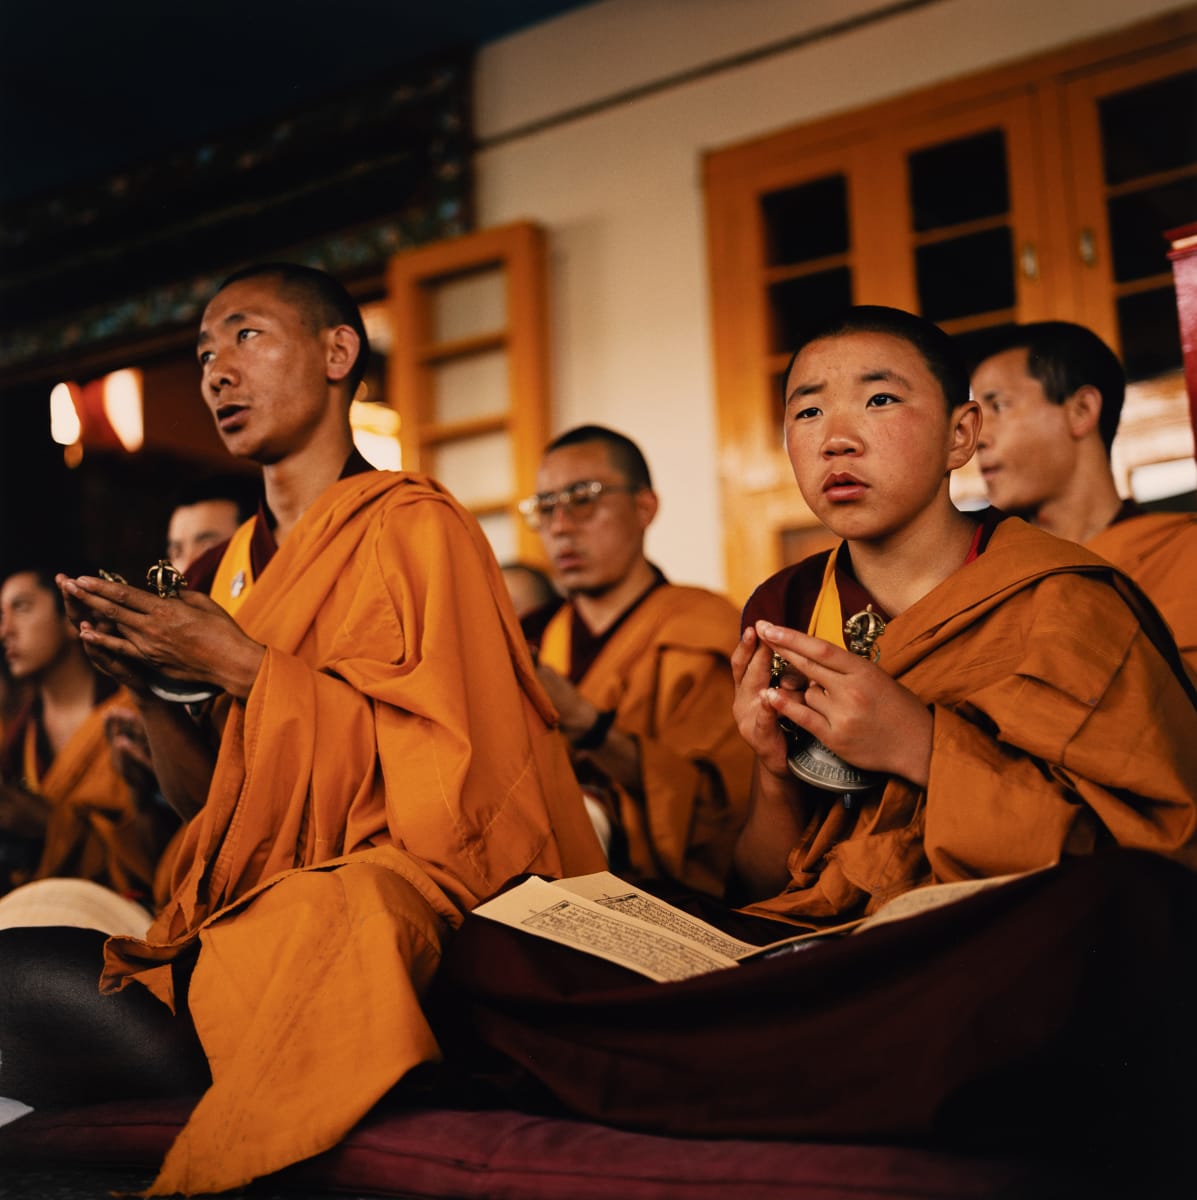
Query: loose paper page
{"type": "Point", "coordinates": [933, 895]}
{"type": "Point", "coordinates": [555, 913]}
{"type": "Point", "coordinates": [618, 896]}
{"type": "Point", "coordinates": [604, 915]}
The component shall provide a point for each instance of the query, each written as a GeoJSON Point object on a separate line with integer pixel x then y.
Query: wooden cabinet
{"type": "Point", "coordinates": [1042, 190]}
{"type": "Point", "coordinates": [1132, 147]}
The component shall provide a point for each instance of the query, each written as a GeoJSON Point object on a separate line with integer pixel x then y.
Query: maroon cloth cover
{"type": "Point", "coordinates": [1053, 1013]}
{"type": "Point", "coordinates": [504, 1155]}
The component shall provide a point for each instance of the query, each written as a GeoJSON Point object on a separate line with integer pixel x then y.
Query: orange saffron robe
{"type": "Point", "coordinates": [93, 827]}
{"type": "Point", "coordinates": [1159, 552]}
{"type": "Point", "coordinates": [1058, 727]}
{"type": "Point", "coordinates": [666, 671]}
{"type": "Point", "coordinates": [393, 764]}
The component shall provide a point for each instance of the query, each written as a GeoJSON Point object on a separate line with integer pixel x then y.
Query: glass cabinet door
{"type": "Point", "coordinates": [974, 228]}
{"type": "Point", "coordinates": [1132, 135]}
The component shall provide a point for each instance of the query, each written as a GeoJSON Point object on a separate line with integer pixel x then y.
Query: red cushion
{"type": "Point", "coordinates": [503, 1155]}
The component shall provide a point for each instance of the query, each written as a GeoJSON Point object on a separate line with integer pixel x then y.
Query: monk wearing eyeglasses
{"type": "Point", "coordinates": [639, 669]}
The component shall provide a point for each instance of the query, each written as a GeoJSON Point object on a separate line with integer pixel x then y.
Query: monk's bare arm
{"type": "Point", "coordinates": [183, 758]}
{"type": "Point", "coordinates": [619, 758]}
{"type": "Point", "coordinates": [774, 827]}
{"type": "Point", "coordinates": [618, 754]}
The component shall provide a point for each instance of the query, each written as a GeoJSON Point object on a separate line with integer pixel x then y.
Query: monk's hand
{"type": "Point", "coordinates": [125, 671]}
{"type": "Point", "coordinates": [186, 637]}
{"type": "Point", "coordinates": [753, 708]}
{"type": "Point", "coordinates": [129, 748]}
{"type": "Point", "coordinates": [575, 713]}
{"type": "Point", "coordinates": [851, 705]}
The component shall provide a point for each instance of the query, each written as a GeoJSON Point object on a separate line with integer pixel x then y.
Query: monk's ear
{"type": "Point", "coordinates": [646, 506]}
{"type": "Point", "coordinates": [341, 348]}
{"type": "Point", "coordinates": [1083, 410]}
{"type": "Point", "coordinates": [964, 430]}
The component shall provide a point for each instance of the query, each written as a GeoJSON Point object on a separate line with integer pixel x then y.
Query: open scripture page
{"type": "Point", "coordinates": [603, 915]}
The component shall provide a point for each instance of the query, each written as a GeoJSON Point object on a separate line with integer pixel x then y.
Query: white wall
{"type": "Point", "coordinates": [620, 189]}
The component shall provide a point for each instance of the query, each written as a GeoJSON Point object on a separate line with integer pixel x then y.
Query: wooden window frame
{"type": "Point", "coordinates": [519, 250]}
{"type": "Point", "coordinates": [759, 498]}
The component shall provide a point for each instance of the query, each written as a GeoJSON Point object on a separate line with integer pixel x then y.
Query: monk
{"type": "Point", "coordinates": [942, 698]}
{"type": "Point", "coordinates": [1052, 396]}
{"type": "Point", "coordinates": [385, 757]}
{"type": "Point", "coordinates": [65, 812]}
{"type": "Point", "coordinates": [206, 513]}
{"type": "Point", "coordinates": [639, 669]}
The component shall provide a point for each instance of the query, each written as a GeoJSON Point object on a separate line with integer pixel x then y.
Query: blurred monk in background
{"type": "Point", "coordinates": [1052, 394]}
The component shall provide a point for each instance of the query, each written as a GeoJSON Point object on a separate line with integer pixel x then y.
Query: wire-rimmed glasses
{"type": "Point", "coordinates": [579, 500]}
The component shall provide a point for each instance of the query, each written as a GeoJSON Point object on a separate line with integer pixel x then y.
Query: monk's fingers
{"type": "Point", "coordinates": [816, 696]}
{"type": "Point", "coordinates": [794, 707]}
{"type": "Point", "coordinates": [109, 599]}
{"type": "Point", "coordinates": [108, 643]}
{"type": "Point", "coordinates": [759, 728]}
{"type": "Point", "coordinates": [743, 654]}
{"type": "Point", "coordinates": [73, 601]}
{"type": "Point", "coordinates": [807, 654]}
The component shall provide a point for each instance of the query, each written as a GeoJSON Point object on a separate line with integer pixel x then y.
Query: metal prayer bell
{"type": "Point", "coordinates": [807, 757]}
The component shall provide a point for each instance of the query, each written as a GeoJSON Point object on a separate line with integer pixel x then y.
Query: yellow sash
{"type": "Point", "coordinates": [234, 577]}
{"type": "Point", "coordinates": [555, 641]}
{"type": "Point", "coordinates": [827, 619]}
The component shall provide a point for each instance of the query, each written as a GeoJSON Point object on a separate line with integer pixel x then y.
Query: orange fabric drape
{"type": "Point", "coordinates": [93, 827]}
{"type": "Point", "coordinates": [393, 764]}
{"type": "Point", "coordinates": [1048, 739]}
{"type": "Point", "coordinates": [1159, 552]}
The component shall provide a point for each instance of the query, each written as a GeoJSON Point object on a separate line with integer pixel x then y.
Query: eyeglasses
{"type": "Point", "coordinates": [579, 501]}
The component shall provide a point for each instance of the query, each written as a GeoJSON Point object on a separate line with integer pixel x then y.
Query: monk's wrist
{"type": "Point", "coordinates": [240, 672]}
{"type": "Point", "coordinates": [595, 734]}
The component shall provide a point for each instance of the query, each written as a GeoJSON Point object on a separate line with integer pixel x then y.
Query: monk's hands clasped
{"type": "Point", "coordinates": [128, 632]}
{"type": "Point", "coordinates": [754, 712]}
{"type": "Point", "coordinates": [849, 703]}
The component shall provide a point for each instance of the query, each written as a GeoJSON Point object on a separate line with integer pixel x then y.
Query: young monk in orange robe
{"type": "Point", "coordinates": [1022, 711]}
{"type": "Point", "coordinates": [1005, 712]}
{"type": "Point", "coordinates": [386, 758]}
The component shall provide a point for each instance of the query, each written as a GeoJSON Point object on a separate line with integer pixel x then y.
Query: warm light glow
{"type": "Point", "coordinates": [122, 407]}
{"type": "Point", "coordinates": [376, 434]}
{"type": "Point", "coordinates": [1158, 481]}
{"type": "Point", "coordinates": [65, 426]}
